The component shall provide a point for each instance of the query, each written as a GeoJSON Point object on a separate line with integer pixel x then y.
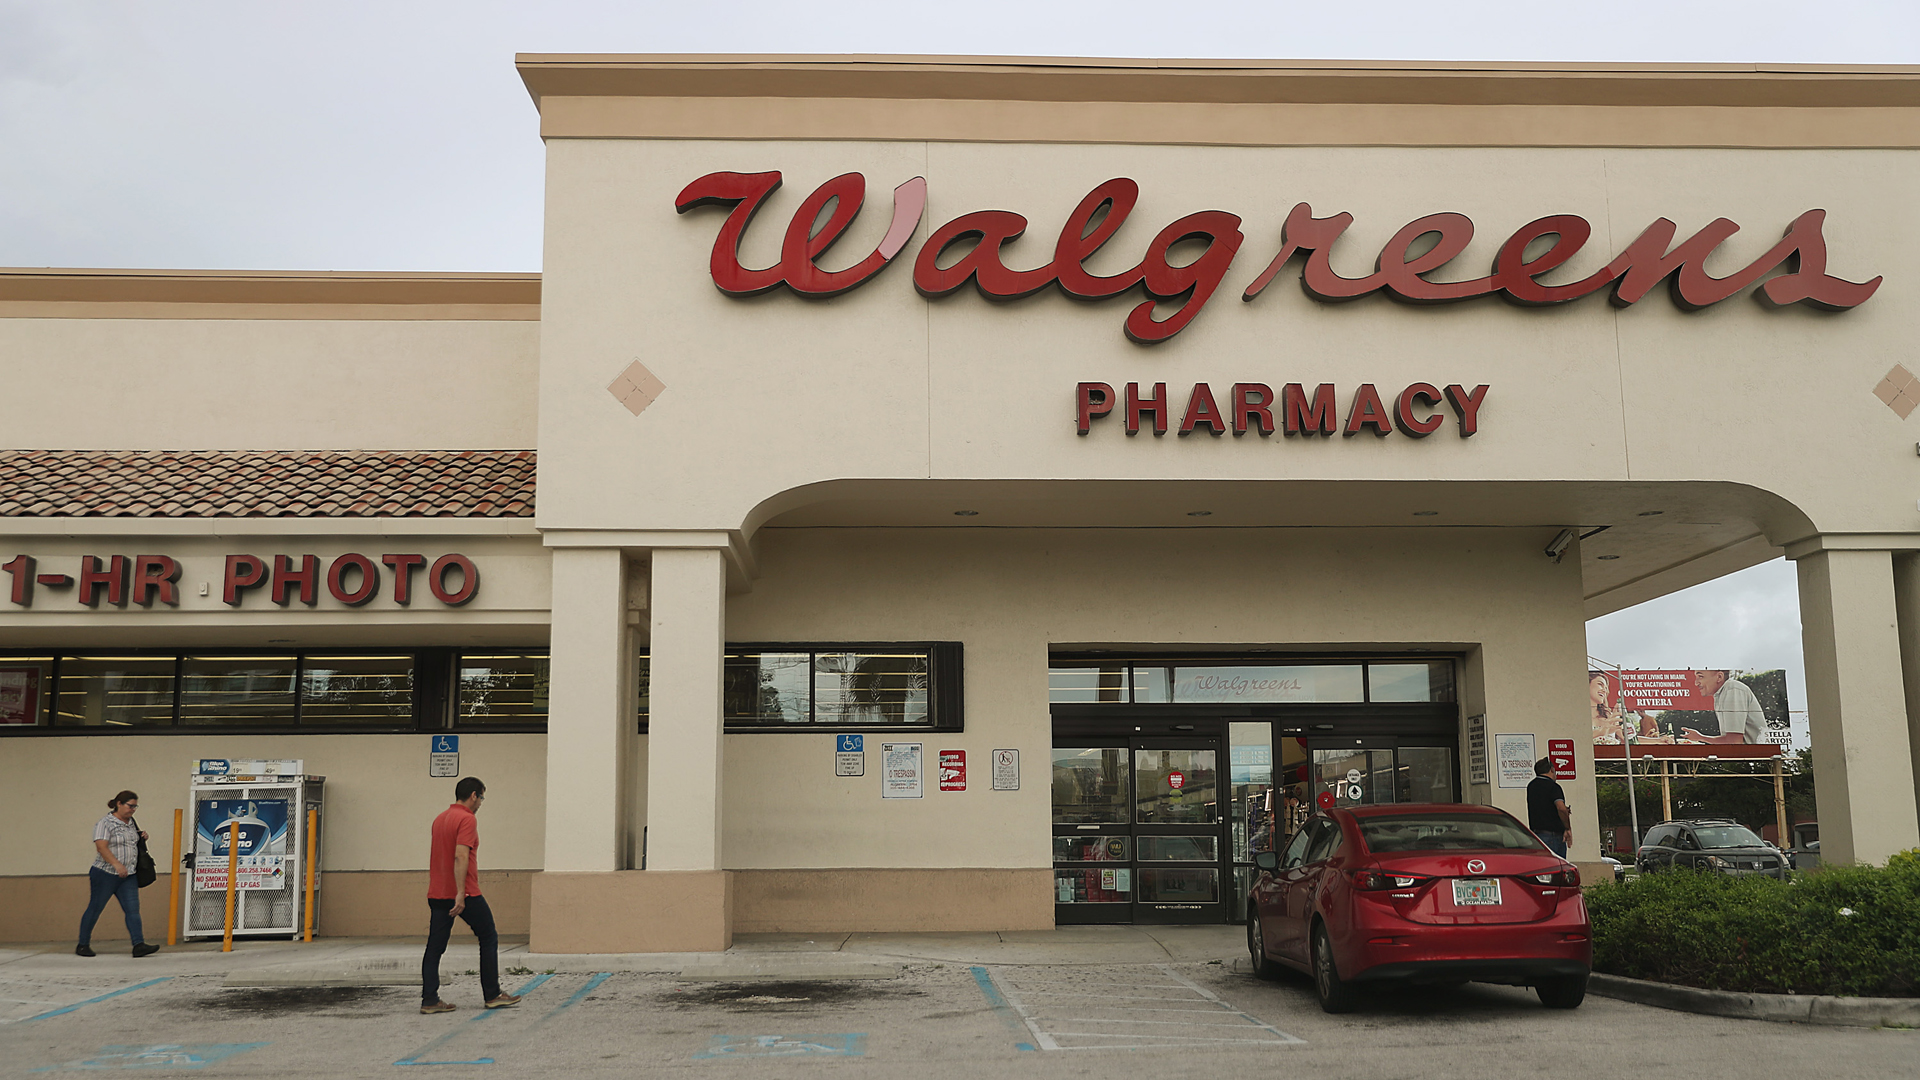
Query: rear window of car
{"type": "Point", "coordinates": [1713, 836]}
{"type": "Point", "coordinates": [1446, 832]}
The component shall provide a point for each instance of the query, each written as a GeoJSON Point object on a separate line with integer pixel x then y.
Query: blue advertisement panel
{"type": "Point", "coordinates": [263, 843]}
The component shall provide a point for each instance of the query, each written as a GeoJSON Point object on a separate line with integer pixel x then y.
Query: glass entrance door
{"type": "Point", "coordinates": [1366, 772]}
{"type": "Point", "coordinates": [1139, 832]}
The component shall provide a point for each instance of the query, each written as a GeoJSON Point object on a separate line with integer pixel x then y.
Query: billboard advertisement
{"type": "Point", "coordinates": [263, 843]}
{"type": "Point", "coordinates": [1689, 705]}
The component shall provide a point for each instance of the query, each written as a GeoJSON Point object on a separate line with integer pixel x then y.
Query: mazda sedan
{"type": "Point", "coordinates": [1420, 894]}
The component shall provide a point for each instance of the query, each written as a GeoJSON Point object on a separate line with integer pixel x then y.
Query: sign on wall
{"type": "Point", "coordinates": [351, 579]}
{"type": "Point", "coordinates": [1513, 756]}
{"type": "Point", "coordinates": [1477, 748]}
{"type": "Point", "coordinates": [1171, 294]}
{"type": "Point", "coordinates": [901, 775]}
{"type": "Point", "coordinates": [953, 770]}
{"type": "Point", "coordinates": [849, 755]}
{"type": "Point", "coordinates": [1006, 770]}
{"type": "Point", "coordinates": [443, 756]}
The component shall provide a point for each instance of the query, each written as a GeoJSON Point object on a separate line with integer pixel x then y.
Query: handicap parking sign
{"type": "Point", "coordinates": [852, 744]}
{"type": "Point", "coordinates": [446, 744]}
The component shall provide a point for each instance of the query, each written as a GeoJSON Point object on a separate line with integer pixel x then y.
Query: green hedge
{"type": "Point", "coordinates": [1843, 930]}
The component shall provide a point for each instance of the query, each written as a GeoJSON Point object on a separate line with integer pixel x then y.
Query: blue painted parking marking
{"type": "Point", "coordinates": [157, 1056]}
{"type": "Point", "coordinates": [732, 1046]}
{"type": "Point", "coordinates": [1007, 1014]}
{"type": "Point", "coordinates": [92, 1000]}
{"type": "Point", "coordinates": [598, 978]}
{"type": "Point", "coordinates": [481, 1017]}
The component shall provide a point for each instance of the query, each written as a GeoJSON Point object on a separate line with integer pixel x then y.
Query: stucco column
{"type": "Point", "coordinates": [1863, 766]}
{"type": "Point", "coordinates": [684, 740]}
{"type": "Point", "coordinates": [589, 729]}
{"type": "Point", "coordinates": [1906, 599]}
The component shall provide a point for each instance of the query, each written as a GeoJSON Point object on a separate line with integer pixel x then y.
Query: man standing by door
{"type": "Point", "coordinates": [453, 889]}
{"type": "Point", "coordinates": [1547, 813]}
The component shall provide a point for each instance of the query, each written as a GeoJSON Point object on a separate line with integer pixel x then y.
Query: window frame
{"type": "Point", "coordinates": [946, 679]}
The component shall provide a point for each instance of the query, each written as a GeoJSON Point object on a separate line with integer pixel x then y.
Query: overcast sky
{"type": "Point", "coordinates": [396, 135]}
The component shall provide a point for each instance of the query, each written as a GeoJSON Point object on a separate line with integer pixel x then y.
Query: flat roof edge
{"type": "Point", "coordinates": [280, 287]}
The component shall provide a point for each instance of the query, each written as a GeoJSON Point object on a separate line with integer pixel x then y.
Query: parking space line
{"type": "Point", "coordinates": [82, 1004]}
{"type": "Point", "coordinates": [1043, 1012]}
{"type": "Point", "coordinates": [998, 1002]}
{"type": "Point", "coordinates": [484, 1014]}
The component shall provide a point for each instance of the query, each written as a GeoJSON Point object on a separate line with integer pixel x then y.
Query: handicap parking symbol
{"type": "Point", "coordinates": [852, 744]}
{"type": "Point", "coordinates": [157, 1056]}
{"type": "Point", "coordinates": [727, 1046]}
{"type": "Point", "coordinates": [446, 744]}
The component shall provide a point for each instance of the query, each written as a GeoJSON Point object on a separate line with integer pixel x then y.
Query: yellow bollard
{"type": "Point", "coordinates": [233, 878]}
{"type": "Point", "coordinates": [173, 885]}
{"type": "Point", "coordinates": [313, 830]}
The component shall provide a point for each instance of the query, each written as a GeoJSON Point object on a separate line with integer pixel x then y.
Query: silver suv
{"type": "Point", "coordinates": [1719, 845]}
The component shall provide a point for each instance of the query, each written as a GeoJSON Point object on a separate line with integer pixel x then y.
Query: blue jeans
{"type": "Point", "coordinates": [107, 884]}
{"type": "Point", "coordinates": [1556, 841]}
{"type": "Point", "coordinates": [480, 919]}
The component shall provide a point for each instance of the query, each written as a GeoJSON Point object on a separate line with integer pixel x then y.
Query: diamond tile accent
{"type": "Point", "coordinates": [636, 388]}
{"type": "Point", "coordinates": [1900, 390]}
{"type": "Point", "coordinates": [266, 483]}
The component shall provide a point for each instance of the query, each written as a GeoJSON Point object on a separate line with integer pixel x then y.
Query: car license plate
{"type": "Point", "coordinates": [1476, 892]}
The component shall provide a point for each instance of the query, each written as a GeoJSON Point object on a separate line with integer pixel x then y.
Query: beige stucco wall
{"type": "Point", "coordinates": [295, 384]}
{"type": "Point", "coordinates": [771, 393]}
{"type": "Point", "coordinates": [379, 799]}
{"type": "Point", "coordinates": [1009, 594]}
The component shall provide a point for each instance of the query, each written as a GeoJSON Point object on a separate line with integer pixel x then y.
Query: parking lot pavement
{"type": "Point", "coordinates": [933, 1020]}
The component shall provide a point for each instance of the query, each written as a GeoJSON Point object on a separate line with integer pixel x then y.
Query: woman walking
{"type": "Point", "coordinates": [116, 845]}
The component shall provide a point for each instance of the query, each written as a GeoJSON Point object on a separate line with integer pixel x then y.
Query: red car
{"type": "Point", "coordinates": [1434, 894]}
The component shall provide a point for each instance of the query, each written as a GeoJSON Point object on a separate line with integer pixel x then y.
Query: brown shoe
{"type": "Point", "coordinates": [436, 1007]}
{"type": "Point", "coordinates": [504, 1001]}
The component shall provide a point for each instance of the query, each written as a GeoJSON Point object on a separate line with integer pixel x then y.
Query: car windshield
{"type": "Point", "coordinates": [1712, 836]}
{"type": "Point", "coordinates": [1446, 832]}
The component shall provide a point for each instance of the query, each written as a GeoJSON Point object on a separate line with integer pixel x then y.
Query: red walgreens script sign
{"type": "Point", "coordinates": [1646, 262]}
{"type": "Point", "coordinates": [1560, 752]}
{"type": "Point", "coordinates": [953, 770]}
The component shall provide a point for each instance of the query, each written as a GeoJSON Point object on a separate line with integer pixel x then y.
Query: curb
{"type": "Point", "coordinates": [1778, 1008]}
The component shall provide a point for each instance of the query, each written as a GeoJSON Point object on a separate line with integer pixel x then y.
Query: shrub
{"type": "Point", "coordinates": [1851, 930]}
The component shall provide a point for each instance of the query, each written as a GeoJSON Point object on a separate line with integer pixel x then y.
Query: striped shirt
{"type": "Point", "coordinates": [122, 838]}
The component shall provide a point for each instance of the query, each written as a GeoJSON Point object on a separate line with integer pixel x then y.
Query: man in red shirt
{"type": "Point", "coordinates": [453, 888]}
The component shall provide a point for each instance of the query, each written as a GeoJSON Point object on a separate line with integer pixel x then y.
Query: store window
{"type": "Point", "coordinates": [136, 691]}
{"type": "Point", "coordinates": [1226, 683]}
{"type": "Point", "coordinates": [857, 686]}
{"type": "Point", "coordinates": [502, 689]}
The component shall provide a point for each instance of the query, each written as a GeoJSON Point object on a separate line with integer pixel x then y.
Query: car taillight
{"type": "Point", "coordinates": [1377, 881]}
{"type": "Point", "coordinates": [1566, 875]}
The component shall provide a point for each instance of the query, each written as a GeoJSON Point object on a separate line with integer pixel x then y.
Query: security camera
{"type": "Point", "coordinates": [1560, 544]}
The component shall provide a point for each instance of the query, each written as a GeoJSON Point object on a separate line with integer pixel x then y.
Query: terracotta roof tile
{"type": "Point", "coordinates": [266, 483]}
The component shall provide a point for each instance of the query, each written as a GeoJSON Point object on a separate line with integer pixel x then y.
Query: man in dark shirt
{"type": "Point", "coordinates": [1547, 813]}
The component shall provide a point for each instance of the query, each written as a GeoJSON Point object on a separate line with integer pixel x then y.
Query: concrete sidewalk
{"type": "Point", "coordinates": [396, 961]}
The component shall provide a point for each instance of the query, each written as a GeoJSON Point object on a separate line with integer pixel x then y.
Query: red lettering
{"type": "Point", "coordinates": [21, 569]}
{"type": "Point", "coordinates": [1466, 405]}
{"type": "Point", "coordinates": [1202, 410]}
{"type": "Point", "coordinates": [437, 580]}
{"type": "Point", "coordinates": [337, 579]}
{"type": "Point", "coordinates": [243, 572]}
{"type": "Point", "coordinates": [113, 579]}
{"type": "Point", "coordinates": [403, 567]}
{"type": "Point", "coordinates": [1157, 405]}
{"type": "Point", "coordinates": [1402, 275]}
{"type": "Point", "coordinates": [1304, 419]}
{"type": "Point", "coordinates": [1252, 408]}
{"type": "Point", "coordinates": [1080, 238]}
{"type": "Point", "coordinates": [1195, 280]}
{"type": "Point", "coordinates": [988, 229]}
{"type": "Point", "coordinates": [1313, 237]}
{"type": "Point", "coordinates": [155, 575]}
{"type": "Point", "coordinates": [1514, 275]}
{"type": "Point", "coordinates": [798, 269]}
{"type": "Point", "coordinates": [1403, 406]}
{"type": "Point", "coordinates": [286, 578]}
{"type": "Point", "coordinates": [1096, 400]}
{"type": "Point", "coordinates": [1367, 412]}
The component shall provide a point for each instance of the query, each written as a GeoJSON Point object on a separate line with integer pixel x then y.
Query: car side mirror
{"type": "Point", "coordinates": [1266, 861]}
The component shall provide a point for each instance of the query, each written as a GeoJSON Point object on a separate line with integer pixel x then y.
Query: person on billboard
{"type": "Point", "coordinates": [1547, 813]}
{"type": "Point", "coordinates": [453, 890]}
{"type": "Point", "coordinates": [116, 845]}
{"type": "Point", "coordinates": [1734, 704]}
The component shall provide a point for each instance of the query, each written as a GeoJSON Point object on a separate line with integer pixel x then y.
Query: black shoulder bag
{"type": "Point", "coordinates": [144, 872]}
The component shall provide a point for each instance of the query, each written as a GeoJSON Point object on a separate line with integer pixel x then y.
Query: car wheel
{"type": "Point", "coordinates": [1263, 968]}
{"type": "Point", "coordinates": [1566, 992]}
{"type": "Point", "coordinates": [1336, 994]}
